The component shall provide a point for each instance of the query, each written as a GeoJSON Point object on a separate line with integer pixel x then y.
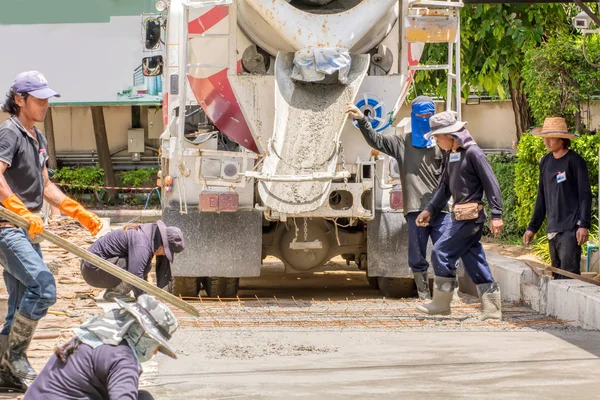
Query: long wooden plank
{"type": "Point", "coordinates": [563, 273]}
{"type": "Point", "coordinates": [104, 265]}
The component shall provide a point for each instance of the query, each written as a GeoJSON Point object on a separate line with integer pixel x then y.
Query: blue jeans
{"type": "Point", "coordinates": [30, 284]}
{"type": "Point", "coordinates": [461, 240]}
{"type": "Point", "coordinates": [418, 237]}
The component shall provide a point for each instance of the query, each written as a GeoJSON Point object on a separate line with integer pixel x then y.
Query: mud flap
{"type": "Point", "coordinates": [387, 249]}
{"type": "Point", "coordinates": [387, 245]}
{"type": "Point", "coordinates": [225, 245]}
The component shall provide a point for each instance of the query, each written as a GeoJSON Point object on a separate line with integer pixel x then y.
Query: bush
{"type": "Point", "coordinates": [504, 169]}
{"type": "Point", "coordinates": [144, 177]}
{"type": "Point", "coordinates": [86, 176]}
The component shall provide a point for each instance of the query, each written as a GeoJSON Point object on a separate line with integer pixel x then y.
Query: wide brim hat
{"type": "Point", "coordinates": [445, 123]}
{"type": "Point", "coordinates": [554, 127]}
{"type": "Point", "coordinates": [157, 320]}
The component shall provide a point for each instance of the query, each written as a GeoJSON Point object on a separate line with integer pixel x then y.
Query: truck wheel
{"type": "Point", "coordinates": [185, 286]}
{"type": "Point", "coordinates": [395, 288]}
{"type": "Point", "coordinates": [373, 282]}
{"type": "Point", "coordinates": [221, 287]}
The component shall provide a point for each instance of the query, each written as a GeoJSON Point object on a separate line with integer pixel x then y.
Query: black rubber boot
{"type": "Point", "coordinates": [14, 359]}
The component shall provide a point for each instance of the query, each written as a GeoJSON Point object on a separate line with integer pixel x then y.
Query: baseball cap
{"type": "Point", "coordinates": [34, 83]}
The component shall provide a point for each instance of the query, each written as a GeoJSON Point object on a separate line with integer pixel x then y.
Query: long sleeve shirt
{"type": "Point", "coordinates": [467, 176]}
{"type": "Point", "coordinates": [135, 245]}
{"type": "Point", "coordinates": [106, 372]}
{"type": "Point", "coordinates": [564, 194]}
{"type": "Point", "coordinates": [420, 169]}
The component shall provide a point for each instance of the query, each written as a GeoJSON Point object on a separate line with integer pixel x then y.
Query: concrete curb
{"type": "Point", "coordinates": [570, 300]}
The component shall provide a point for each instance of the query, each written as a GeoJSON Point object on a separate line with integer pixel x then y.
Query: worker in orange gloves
{"type": "Point", "coordinates": [24, 184]}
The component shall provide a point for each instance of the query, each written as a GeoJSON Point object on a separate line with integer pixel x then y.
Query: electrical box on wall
{"type": "Point", "coordinates": [155, 123]}
{"type": "Point", "coordinates": [135, 140]}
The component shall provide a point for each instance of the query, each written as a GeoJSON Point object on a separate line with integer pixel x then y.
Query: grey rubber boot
{"type": "Point", "coordinates": [14, 358]}
{"type": "Point", "coordinates": [422, 283]}
{"type": "Point", "coordinates": [443, 288]}
{"type": "Point", "coordinates": [491, 301]}
{"type": "Point", "coordinates": [121, 290]}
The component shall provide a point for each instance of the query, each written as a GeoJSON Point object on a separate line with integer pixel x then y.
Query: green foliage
{"type": "Point", "coordinates": [504, 169]}
{"type": "Point", "coordinates": [530, 151]}
{"type": "Point", "coordinates": [144, 177]}
{"type": "Point", "coordinates": [86, 176]}
{"type": "Point", "coordinates": [558, 79]}
{"type": "Point", "coordinates": [494, 39]}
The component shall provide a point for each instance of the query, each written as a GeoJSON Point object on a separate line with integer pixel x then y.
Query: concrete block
{"type": "Point", "coordinates": [575, 301]}
{"type": "Point", "coordinates": [531, 296]}
{"type": "Point", "coordinates": [510, 275]}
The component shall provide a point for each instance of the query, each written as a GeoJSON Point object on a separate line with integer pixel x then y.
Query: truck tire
{"type": "Point", "coordinates": [185, 286]}
{"type": "Point", "coordinates": [221, 287]}
{"type": "Point", "coordinates": [373, 282]}
{"type": "Point", "coordinates": [395, 288]}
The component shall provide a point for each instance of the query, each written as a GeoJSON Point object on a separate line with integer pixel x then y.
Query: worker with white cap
{"type": "Point", "coordinates": [467, 177]}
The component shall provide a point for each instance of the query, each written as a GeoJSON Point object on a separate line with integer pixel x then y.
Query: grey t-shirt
{"type": "Point", "coordinates": [26, 158]}
{"type": "Point", "coordinates": [420, 169]}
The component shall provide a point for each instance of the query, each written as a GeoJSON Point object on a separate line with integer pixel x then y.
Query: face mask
{"type": "Point", "coordinates": [420, 125]}
{"type": "Point", "coordinates": [143, 345]}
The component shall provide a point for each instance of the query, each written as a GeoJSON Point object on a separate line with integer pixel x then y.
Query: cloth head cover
{"type": "Point", "coordinates": [144, 325]}
{"type": "Point", "coordinates": [420, 125]}
{"type": "Point", "coordinates": [35, 84]}
{"type": "Point", "coordinates": [172, 239]}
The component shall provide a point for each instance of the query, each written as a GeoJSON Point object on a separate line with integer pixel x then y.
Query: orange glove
{"type": "Point", "coordinates": [75, 210]}
{"type": "Point", "coordinates": [14, 204]}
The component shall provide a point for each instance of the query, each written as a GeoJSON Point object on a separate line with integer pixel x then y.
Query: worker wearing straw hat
{"type": "Point", "coordinates": [564, 197]}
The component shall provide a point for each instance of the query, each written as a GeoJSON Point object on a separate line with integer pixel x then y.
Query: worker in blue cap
{"type": "Point", "coordinates": [420, 164]}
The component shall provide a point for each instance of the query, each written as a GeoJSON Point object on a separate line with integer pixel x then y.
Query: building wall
{"type": "Point", "coordinates": [491, 124]}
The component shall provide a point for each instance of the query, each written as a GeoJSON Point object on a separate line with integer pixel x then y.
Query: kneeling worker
{"type": "Point", "coordinates": [132, 249]}
{"type": "Point", "coordinates": [103, 360]}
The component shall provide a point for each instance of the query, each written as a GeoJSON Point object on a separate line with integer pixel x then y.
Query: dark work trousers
{"type": "Point", "coordinates": [143, 395]}
{"type": "Point", "coordinates": [565, 253]}
{"type": "Point", "coordinates": [461, 241]}
{"type": "Point", "coordinates": [98, 278]}
{"type": "Point", "coordinates": [418, 237]}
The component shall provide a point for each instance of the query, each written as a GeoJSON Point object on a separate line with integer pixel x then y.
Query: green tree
{"type": "Point", "coordinates": [495, 38]}
{"type": "Point", "coordinates": [559, 81]}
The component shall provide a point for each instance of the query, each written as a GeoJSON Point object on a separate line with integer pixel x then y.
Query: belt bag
{"type": "Point", "coordinates": [467, 211]}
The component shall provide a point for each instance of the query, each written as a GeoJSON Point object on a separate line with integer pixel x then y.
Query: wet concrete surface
{"type": "Point", "coordinates": [539, 358]}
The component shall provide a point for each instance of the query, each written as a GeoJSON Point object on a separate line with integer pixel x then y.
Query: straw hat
{"type": "Point", "coordinates": [554, 127]}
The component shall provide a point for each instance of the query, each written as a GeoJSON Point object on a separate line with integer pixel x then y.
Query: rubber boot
{"type": "Point", "coordinates": [7, 382]}
{"type": "Point", "coordinates": [14, 359]}
{"type": "Point", "coordinates": [422, 283]}
{"type": "Point", "coordinates": [443, 288]}
{"type": "Point", "coordinates": [121, 290]}
{"type": "Point", "coordinates": [491, 301]}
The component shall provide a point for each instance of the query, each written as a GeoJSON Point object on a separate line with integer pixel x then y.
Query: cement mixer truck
{"type": "Point", "coordinates": [258, 158]}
